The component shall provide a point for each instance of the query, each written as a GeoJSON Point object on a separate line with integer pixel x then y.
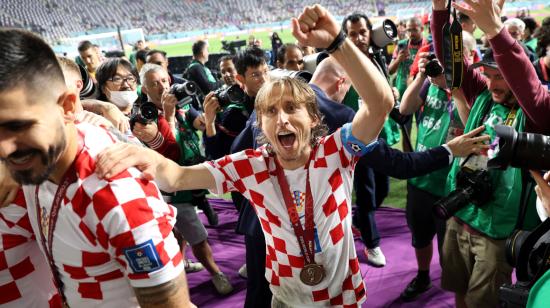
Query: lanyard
{"type": "Point", "coordinates": [304, 235]}
{"type": "Point", "coordinates": [511, 116]}
{"type": "Point", "coordinates": [50, 222]}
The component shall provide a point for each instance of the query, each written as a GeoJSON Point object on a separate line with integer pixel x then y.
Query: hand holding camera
{"type": "Point", "coordinates": [169, 103]}
{"type": "Point", "coordinates": [403, 52]}
{"type": "Point", "coordinates": [210, 106]}
{"type": "Point", "coordinates": [543, 189]}
{"type": "Point", "coordinates": [145, 132]}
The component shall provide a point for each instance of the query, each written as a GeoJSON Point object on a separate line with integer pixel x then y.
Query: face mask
{"type": "Point", "coordinates": [541, 211]}
{"type": "Point", "coordinates": [123, 99]}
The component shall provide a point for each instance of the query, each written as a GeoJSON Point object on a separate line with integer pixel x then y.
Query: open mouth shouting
{"type": "Point", "coordinates": [286, 139]}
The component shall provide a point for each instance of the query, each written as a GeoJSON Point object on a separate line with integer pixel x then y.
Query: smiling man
{"type": "Point", "coordinates": [108, 242]}
{"type": "Point", "coordinates": [302, 271]}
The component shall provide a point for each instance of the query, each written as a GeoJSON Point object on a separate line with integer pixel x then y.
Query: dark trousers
{"type": "Point", "coordinates": [258, 294]}
{"type": "Point", "coordinates": [371, 188]}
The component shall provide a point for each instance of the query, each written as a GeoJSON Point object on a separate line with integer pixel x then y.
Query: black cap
{"type": "Point", "coordinates": [487, 60]}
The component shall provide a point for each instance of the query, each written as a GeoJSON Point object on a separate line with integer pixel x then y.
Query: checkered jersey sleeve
{"type": "Point", "coordinates": [25, 278]}
{"type": "Point", "coordinates": [135, 225]}
{"type": "Point", "coordinates": [234, 172]}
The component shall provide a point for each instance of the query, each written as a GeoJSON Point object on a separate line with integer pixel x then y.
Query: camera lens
{"type": "Point", "coordinates": [149, 112]}
{"type": "Point", "coordinates": [513, 245]}
{"type": "Point", "coordinates": [235, 94]}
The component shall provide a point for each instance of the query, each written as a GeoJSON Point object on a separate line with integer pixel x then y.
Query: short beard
{"type": "Point", "coordinates": [49, 160]}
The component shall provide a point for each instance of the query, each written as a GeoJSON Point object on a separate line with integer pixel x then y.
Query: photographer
{"type": "Point", "coordinates": [197, 70]}
{"type": "Point", "coordinates": [158, 134]}
{"type": "Point", "coordinates": [290, 57]}
{"type": "Point", "coordinates": [478, 232]}
{"type": "Point", "coordinates": [440, 122]}
{"type": "Point", "coordinates": [222, 127]}
{"type": "Point", "coordinates": [371, 187]}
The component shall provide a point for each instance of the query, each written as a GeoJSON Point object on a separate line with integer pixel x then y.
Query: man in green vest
{"type": "Point", "coordinates": [198, 72]}
{"type": "Point", "coordinates": [473, 255]}
{"type": "Point", "coordinates": [404, 54]}
{"type": "Point", "coordinates": [438, 122]}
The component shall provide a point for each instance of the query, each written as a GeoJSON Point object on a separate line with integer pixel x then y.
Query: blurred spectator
{"type": "Point", "coordinates": [197, 70]}
{"type": "Point", "coordinates": [276, 43]}
{"type": "Point", "coordinates": [531, 27]}
{"type": "Point", "coordinates": [290, 57]}
{"type": "Point", "coordinates": [89, 56]}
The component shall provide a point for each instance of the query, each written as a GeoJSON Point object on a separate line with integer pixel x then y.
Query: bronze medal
{"type": "Point", "coordinates": [312, 274]}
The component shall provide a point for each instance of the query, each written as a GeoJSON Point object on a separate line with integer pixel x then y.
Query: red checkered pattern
{"type": "Point", "coordinates": [331, 174]}
{"type": "Point", "coordinates": [25, 278]}
{"type": "Point", "coordinates": [98, 221]}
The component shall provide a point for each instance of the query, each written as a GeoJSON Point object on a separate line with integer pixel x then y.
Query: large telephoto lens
{"type": "Point", "coordinates": [520, 150]}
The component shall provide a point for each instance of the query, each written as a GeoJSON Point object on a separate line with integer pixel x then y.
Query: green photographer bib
{"type": "Point", "coordinates": [390, 131]}
{"type": "Point", "coordinates": [207, 71]}
{"type": "Point", "coordinates": [190, 149]}
{"type": "Point", "coordinates": [404, 67]}
{"type": "Point", "coordinates": [433, 131]}
{"type": "Point", "coordinates": [498, 217]}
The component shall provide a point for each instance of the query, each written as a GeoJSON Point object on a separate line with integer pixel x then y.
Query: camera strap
{"type": "Point", "coordinates": [453, 53]}
{"type": "Point", "coordinates": [527, 186]}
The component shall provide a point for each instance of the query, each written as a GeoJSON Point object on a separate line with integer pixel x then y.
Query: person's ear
{"type": "Point", "coordinates": [79, 85]}
{"type": "Point", "coordinates": [240, 78]}
{"type": "Point", "coordinates": [68, 102]}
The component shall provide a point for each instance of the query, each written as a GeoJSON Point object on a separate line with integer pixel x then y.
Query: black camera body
{"type": "Point", "coordinates": [145, 113]}
{"type": "Point", "coordinates": [433, 68]}
{"type": "Point", "coordinates": [230, 95]}
{"type": "Point", "coordinates": [184, 92]}
{"type": "Point", "coordinates": [472, 186]}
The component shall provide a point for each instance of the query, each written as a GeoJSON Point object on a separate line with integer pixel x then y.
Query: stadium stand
{"type": "Point", "coordinates": [63, 18]}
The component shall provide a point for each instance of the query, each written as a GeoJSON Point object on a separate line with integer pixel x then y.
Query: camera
{"type": "Point", "coordinates": [520, 150]}
{"type": "Point", "coordinates": [401, 45]}
{"type": "Point", "coordinates": [230, 95]}
{"type": "Point", "coordinates": [383, 34]}
{"type": "Point", "coordinates": [311, 61]}
{"type": "Point", "coordinates": [529, 253]}
{"type": "Point", "coordinates": [433, 68]}
{"type": "Point", "coordinates": [305, 76]}
{"type": "Point", "coordinates": [145, 113]}
{"type": "Point", "coordinates": [234, 46]}
{"type": "Point", "coordinates": [184, 92]}
{"type": "Point", "coordinates": [472, 186]}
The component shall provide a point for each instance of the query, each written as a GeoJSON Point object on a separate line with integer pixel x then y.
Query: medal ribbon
{"type": "Point", "coordinates": [305, 235]}
{"type": "Point", "coordinates": [68, 178]}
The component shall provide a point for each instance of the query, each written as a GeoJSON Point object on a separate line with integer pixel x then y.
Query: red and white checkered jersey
{"type": "Point", "coordinates": [111, 235]}
{"type": "Point", "coordinates": [331, 178]}
{"type": "Point", "coordinates": [25, 277]}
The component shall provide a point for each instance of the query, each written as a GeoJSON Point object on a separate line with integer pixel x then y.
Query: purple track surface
{"type": "Point", "coordinates": [383, 284]}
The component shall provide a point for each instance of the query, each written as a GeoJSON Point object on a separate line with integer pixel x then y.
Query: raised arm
{"type": "Point", "coordinates": [168, 175]}
{"type": "Point", "coordinates": [513, 63]}
{"type": "Point", "coordinates": [473, 83]}
{"type": "Point", "coordinates": [317, 27]}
